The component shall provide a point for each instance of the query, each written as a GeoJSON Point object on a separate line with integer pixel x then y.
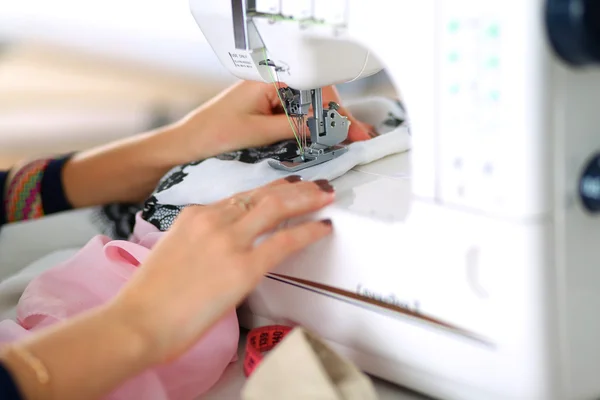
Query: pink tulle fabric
{"type": "Point", "coordinates": [93, 276]}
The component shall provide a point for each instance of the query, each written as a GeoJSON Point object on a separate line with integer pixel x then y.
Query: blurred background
{"type": "Point", "coordinates": [74, 73]}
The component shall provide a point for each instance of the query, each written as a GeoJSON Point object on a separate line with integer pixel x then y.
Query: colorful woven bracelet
{"type": "Point", "coordinates": [23, 199]}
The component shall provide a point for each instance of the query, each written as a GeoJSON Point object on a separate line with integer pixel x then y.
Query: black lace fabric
{"type": "Point", "coordinates": [162, 216]}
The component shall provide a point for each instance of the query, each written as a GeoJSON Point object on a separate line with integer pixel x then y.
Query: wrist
{"type": "Point", "coordinates": [69, 353]}
{"type": "Point", "coordinates": [136, 339]}
{"type": "Point", "coordinates": [146, 322]}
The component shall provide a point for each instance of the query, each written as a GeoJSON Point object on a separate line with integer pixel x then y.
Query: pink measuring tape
{"type": "Point", "coordinates": [259, 341]}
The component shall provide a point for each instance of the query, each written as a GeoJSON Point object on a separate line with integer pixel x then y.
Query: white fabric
{"type": "Point", "coordinates": [12, 288]}
{"type": "Point", "coordinates": [22, 243]}
{"type": "Point", "coordinates": [376, 110]}
{"type": "Point", "coordinates": [214, 179]}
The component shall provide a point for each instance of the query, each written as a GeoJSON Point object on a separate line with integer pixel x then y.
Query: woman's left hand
{"type": "Point", "coordinates": [248, 114]}
{"type": "Point", "coordinates": [199, 271]}
{"type": "Point", "coordinates": [210, 260]}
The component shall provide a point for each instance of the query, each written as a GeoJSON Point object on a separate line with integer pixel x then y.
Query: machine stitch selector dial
{"type": "Point", "coordinates": [573, 28]}
{"type": "Point", "coordinates": [589, 185]}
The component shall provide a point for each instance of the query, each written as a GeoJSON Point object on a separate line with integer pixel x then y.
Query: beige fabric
{"type": "Point", "coordinates": [302, 366]}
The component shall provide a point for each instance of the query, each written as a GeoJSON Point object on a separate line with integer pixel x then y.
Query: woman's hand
{"type": "Point", "coordinates": [248, 114]}
{"type": "Point", "coordinates": [208, 262]}
{"type": "Point", "coordinates": [200, 270]}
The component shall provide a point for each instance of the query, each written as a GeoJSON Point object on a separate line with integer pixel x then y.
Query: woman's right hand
{"type": "Point", "coordinates": [208, 262]}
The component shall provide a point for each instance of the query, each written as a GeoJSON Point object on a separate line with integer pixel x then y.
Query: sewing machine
{"type": "Point", "coordinates": [255, 52]}
{"type": "Point", "coordinates": [478, 277]}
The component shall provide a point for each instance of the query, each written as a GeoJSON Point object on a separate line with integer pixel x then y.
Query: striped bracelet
{"type": "Point", "coordinates": [23, 199]}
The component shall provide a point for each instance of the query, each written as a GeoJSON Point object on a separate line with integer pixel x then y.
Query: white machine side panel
{"type": "Point", "coordinates": [577, 120]}
{"type": "Point", "coordinates": [478, 281]}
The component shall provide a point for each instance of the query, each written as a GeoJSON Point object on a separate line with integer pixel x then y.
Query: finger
{"type": "Point", "coordinates": [290, 179]}
{"type": "Point", "coordinates": [284, 243]}
{"type": "Point", "coordinates": [371, 129]}
{"type": "Point", "coordinates": [358, 132]}
{"type": "Point", "coordinates": [273, 94]}
{"type": "Point", "coordinates": [235, 207]}
{"type": "Point", "coordinates": [257, 194]}
{"type": "Point", "coordinates": [281, 204]}
{"type": "Point", "coordinates": [371, 133]}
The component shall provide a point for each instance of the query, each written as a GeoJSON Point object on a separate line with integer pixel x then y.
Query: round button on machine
{"type": "Point", "coordinates": [589, 185]}
{"type": "Point", "coordinates": [573, 28]}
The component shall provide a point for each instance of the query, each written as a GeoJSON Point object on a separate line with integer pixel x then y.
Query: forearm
{"type": "Point", "coordinates": [86, 358]}
{"type": "Point", "coordinates": [124, 171]}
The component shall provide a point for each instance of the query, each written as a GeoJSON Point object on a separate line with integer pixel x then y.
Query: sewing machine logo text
{"type": "Point", "coordinates": [390, 299]}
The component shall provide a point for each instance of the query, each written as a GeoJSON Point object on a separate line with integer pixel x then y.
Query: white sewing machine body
{"type": "Point", "coordinates": [477, 278]}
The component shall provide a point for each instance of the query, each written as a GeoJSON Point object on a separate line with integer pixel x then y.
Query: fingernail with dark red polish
{"type": "Point", "coordinates": [324, 185]}
{"type": "Point", "coordinates": [293, 178]}
{"type": "Point", "coordinates": [327, 222]}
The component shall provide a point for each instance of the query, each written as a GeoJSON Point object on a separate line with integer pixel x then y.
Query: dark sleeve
{"type": "Point", "coordinates": [8, 387]}
{"type": "Point", "coordinates": [54, 198]}
{"type": "Point", "coordinates": [3, 176]}
{"type": "Point", "coordinates": [38, 183]}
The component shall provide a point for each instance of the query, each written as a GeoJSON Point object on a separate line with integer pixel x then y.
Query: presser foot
{"type": "Point", "coordinates": [299, 163]}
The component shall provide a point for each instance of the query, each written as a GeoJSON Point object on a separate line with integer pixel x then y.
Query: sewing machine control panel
{"type": "Point", "coordinates": [471, 117]}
